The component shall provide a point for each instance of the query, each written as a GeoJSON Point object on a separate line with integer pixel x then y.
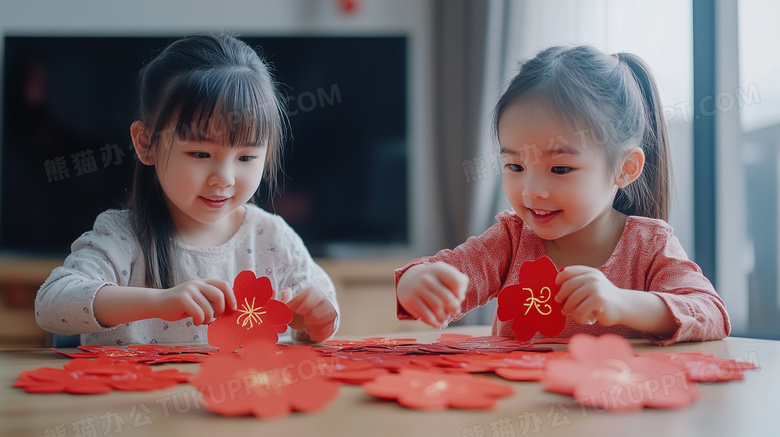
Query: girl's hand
{"type": "Point", "coordinates": [202, 299]}
{"type": "Point", "coordinates": [312, 312]}
{"type": "Point", "coordinates": [432, 292]}
{"type": "Point", "coordinates": [588, 296]}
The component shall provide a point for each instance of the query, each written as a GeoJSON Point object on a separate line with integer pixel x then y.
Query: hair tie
{"type": "Point", "coordinates": [615, 55]}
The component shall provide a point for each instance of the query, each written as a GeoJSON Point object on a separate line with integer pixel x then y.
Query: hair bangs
{"type": "Point", "coordinates": [227, 106]}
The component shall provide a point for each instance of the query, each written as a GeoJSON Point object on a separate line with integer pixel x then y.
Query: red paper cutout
{"type": "Point", "coordinates": [268, 380]}
{"type": "Point", "coordinates": [489, 343]}
{"type": "Point", "coordinates": [531, 304]}
{"type": "Point", "coordinates": [85, 376]}
{"type": "Point", "coordinates": [515, 366]}
{"type": "Point", "coordinates": [161, 349]}
{"type": "Point", "coordinates": [143, 353]}
{"type": "Point", "coordinates": [358, 376]}
{"type": "Point", "coordinates": [258, 317]}
{"type": "Point", "coordinates": [371, 342]}
{"type": "Point", "coordinates": [437, 391]}
{"type": "Point", "coordinates": [707, 367]}
{"type": "Point", "coordinates": [603, 372]}
{"type": "Point", "coordinates": [265, 381]}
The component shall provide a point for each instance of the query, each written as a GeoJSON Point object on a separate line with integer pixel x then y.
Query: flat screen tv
{"type": "Point", "coordinates": [66, 153]}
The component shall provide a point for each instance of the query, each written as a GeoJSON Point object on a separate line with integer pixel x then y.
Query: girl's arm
{"type": "Point", "coordinates": [103, 256]}
{"type": "Point", "coordinates": [699, 313]}
{"type": "Point", "coordinates": [661, 292]}
{"type": "Point", "coordinates": [648, 313]}
{"type": "Point", "coordinates": [589, 297]}
{"type": "Point", "coordinates": [203, 300]}
{"type": "Point", "coordinates": [483, 263]}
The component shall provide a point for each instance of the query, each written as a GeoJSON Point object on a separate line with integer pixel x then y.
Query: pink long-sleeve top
{"type": "Point", "coordinates": [648, 257]}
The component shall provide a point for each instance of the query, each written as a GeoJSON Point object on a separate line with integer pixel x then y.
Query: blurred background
{"type": "Point", "coordinates": [389, 103]}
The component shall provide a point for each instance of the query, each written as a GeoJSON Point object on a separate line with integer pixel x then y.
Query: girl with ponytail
{"type": "Point", "coordinates": [587, 171]}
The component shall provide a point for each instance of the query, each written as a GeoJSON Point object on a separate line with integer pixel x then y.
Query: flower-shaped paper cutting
{"type": "Point", "coordinates": [85, 376]}
{"type": "Point", "coordinates": [603, 372]}
{"type": "Point", "coordinates": [437, 391]}
{"type": "Point", "coordinates": [258, 317]}
{"type": "Point", "coordinates": [530, 304]}
{"type": "Point", "coordinates": [265, 381]}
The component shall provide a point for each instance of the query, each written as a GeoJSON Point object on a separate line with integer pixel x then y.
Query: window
{"type": "Point", "coordinates": [748, 105]}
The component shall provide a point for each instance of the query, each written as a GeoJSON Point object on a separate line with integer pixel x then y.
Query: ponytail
{"type": "Point", "coordinates": [649, 195]}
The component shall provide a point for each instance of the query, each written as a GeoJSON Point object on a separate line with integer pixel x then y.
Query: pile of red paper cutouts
{"type": "Point", "coordinates": [247, 373]}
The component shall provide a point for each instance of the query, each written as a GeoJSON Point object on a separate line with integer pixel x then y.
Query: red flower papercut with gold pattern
{"type": "Point", "coordinates": [257, 318]}
{"type": "Point", "coordinates": [530, 304]}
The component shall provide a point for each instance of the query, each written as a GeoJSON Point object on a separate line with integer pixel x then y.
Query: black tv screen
{"type": "Point", "coordinates": [66, 153]}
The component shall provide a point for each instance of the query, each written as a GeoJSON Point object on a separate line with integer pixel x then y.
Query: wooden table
{"type": "Point", "coordinates": [737, 408]}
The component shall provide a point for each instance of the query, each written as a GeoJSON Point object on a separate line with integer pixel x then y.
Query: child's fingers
{"type": "Point", "coordinates": [572, 281]}
{"type": "Point", "coordinates": [285, 294]}
{"type": "Point", "coordinates": [574, 300]}
{"type": "Point", "coordinates": [323, 327]}
{"type": "Point", "coordinates": [320, 332]}
{"type": "Point", "coordinates": [421, 310]}
{"type": "Point", "coordinates": [297, 322]}
{"type": "Point", "coordinates": [313, 306]}
{"type": "Point", "coordinates": [456, 283]}
{"type": "Point", "coordinates": [215, 297]}
{"type": "Point", "coordinates": [434, 305]}
{"type": "Point", "coordinates": [206, 310]}
{"type": "Point", "coordinates": [304, 302]}
{"type": "Point", "coordinates": [588, 311]}
{"type": "Point", "coordinates": [439, 296]}
{"type": "Point", "coordinates": [323, 312]}
{"type": "Point", "coordinates": [192, 309]}
{"type": "Point", "coordinates": [570, 272]}
{"type": "Point", "coordinates": [228, 297]}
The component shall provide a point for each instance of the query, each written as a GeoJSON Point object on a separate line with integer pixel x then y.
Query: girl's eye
{"type": "Point", "coordinates": [199, 155]}
{"type": "Point", "coordinates": [559, 169]}
{"type": "Point", "coordinates": [514, 168]}
{"type": "Point", "coordinates": [247, 158]}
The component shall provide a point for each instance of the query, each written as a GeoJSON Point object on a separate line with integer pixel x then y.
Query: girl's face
{"type": "Point", "coordinates": [556, 182]}
{"type": "Point", "coordinates": [205, 182]}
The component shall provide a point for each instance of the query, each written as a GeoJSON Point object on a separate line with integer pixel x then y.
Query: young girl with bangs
{"type": "Point", "coordinates": [211, 127]}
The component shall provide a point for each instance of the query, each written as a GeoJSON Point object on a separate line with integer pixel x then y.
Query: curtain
{"type": "Point", "coordinates": [469, 45]}
{"type": "Point", "coordinates": [459, 65]}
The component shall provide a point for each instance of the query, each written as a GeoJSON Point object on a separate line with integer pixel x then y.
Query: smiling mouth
{"type": "Point", "coordinates": [543, 216]}
{"type": "Point", "coordinates": [215, 202]}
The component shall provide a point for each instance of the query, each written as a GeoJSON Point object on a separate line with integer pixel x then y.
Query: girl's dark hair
{"type": "Point", "coordinates": [617, 99]}
{"type": "Point", "coordinates": [199, 85]}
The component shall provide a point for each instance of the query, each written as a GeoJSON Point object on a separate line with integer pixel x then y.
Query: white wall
{"type": "Point", "coordinates": [174, 17]}
{"type": "Point", "coordinates": [261, 18]}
